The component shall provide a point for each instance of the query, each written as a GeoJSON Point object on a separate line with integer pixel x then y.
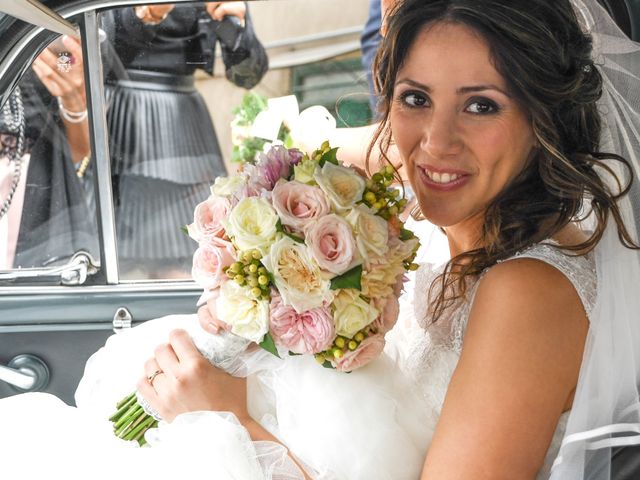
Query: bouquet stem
{"type": "Point", "coordinates": [130, 422]}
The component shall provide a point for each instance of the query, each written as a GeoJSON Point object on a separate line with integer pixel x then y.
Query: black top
{"type": "Point", "coordinates": [180, 44]}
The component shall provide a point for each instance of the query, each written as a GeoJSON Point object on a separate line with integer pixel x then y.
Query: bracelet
{"type": "Point", "coordinates": [69, 116]}
{"type": "Point", "coordinates": [146, 16]}
{"type": "Point", "coordinates": [82, 167]}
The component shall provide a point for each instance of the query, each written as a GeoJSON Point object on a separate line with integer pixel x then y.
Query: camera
{"type": "Point", "coordinates": [229, 31]}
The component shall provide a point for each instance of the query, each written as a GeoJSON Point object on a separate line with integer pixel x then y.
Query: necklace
{"type": "Point", "coordinates": [13, 113]}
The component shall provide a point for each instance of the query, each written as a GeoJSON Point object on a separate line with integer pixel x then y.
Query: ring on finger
{"type": "Point", "coordinates": [151, 378]}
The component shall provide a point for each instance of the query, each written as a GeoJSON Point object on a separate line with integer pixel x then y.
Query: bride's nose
{"type": "Point", "coordinates": [441, 135]}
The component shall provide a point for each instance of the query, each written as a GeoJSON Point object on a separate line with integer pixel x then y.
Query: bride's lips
{"type": "Point", "coordinates": [444, 180]}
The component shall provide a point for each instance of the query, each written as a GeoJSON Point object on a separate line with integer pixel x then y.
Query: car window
{"type": "Point", "coordinates": [47, 212]}
{"type": "Point", "coordinates": [175, 75]}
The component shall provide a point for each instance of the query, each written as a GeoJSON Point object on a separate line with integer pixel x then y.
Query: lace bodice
{"type": "Point", "coordinates": [431, 359]}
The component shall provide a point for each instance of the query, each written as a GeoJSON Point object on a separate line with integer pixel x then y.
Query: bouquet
{"type": "Point", "coordinates": [302, 256]}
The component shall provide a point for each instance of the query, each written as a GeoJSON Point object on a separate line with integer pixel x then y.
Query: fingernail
{"type": "Point", "coordinates": [213, 328]}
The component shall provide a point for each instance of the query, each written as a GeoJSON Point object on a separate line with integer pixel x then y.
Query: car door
{"type": "Point", "coordinates": [65, 286]}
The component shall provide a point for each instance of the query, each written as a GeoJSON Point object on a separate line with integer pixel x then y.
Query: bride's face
{"type": "Point", "coordinates": [461, 135]}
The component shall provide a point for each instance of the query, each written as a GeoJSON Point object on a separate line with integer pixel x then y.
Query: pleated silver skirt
{"type": "Point", "coordinates": [165, 155]}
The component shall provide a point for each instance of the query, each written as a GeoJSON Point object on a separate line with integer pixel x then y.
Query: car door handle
{"type": "Point", "coordinates": [75, 272]}
{"type": "Point", "coordinates": [26, 373]}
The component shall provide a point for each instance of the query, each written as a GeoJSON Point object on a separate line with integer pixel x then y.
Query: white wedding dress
{"type": "Point", "coordinates": [373, 424]}
{"type": "Point", "coordinates": [429, 360]}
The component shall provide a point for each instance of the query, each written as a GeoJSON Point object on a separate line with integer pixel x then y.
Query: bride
{"type": "Point", "coordinates": [493, 107]}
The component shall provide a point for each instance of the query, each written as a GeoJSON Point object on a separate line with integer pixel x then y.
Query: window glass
{"type": "Point", "coordinates": [47, 211]}
{"type": "Point", "coordinates": [174, 74]}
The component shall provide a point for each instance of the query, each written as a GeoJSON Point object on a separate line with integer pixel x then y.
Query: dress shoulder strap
{"type": "Point", "coordinates": [579, 269]}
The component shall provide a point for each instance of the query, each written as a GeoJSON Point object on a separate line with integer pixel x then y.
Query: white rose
{"type": "Point", "coordinates": [352, 313]}
{"type": "Point", "coordinates": [247, 316]}
{"type": "Point", "coordinates": [252, 224]}
{"type": "Point", "coordinates": [297, 276]}
{"type": "Point", "coordinates": [227, 186]}
{"type": "Point", "coordinates": [343, 186]}
{"type": "Point", "coordinates": [372, 232]}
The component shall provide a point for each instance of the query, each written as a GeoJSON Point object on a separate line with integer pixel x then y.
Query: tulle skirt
{"type": "Point", "coordinates": [369, 424]}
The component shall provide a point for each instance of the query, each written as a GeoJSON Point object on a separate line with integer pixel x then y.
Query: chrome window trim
{"type": "Point", "coordinates": [142, 287]}
{"type": "Point", "coordinates": [35, 13]}
{"type": "Point", "coordinates": [100, 147]}
{"type": "Point", "coordinates": [56, 327]}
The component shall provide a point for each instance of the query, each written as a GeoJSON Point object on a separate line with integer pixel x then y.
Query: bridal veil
{"type": "Point", "coordinates": [606, 410]}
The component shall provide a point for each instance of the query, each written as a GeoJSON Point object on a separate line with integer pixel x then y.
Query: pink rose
{"type": "Point", "coordinates": [331, 243]}
{"type": "Point", "coordinates": [206, 218]}
{"type": "Point", "coordinates": [298, 204]}
{"type": "Point", "coordinates": [389, 308]}
{"type": "Point", "coordinates": [209, 260]}
{"type": "Point", "coordinates": [311, 331]}
{"type": "Point", "coordinates": [369, 349]}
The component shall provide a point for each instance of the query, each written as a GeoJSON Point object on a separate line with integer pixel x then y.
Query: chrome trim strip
{"type": "Point", "coordinates": [35, 13]}
{"type": "Point", "coordinates": [71, 327]}
{"type": "Point", "coordinates": [123, 288]}
{"type": "Point", "coordinates": [100, 147]}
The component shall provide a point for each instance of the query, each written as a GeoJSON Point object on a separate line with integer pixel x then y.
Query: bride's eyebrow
{"type": "Point", "coordinates": [459, 91]}
{"type": "Point", "coordinates": [482, 88]}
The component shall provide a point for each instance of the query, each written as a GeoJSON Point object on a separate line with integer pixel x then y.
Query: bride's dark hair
{"type": "Point", "coordinates": [541, 51]}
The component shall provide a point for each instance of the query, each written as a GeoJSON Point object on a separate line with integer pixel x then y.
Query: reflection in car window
{"type": "Point", "coordinates": [164, 149]}
{"type": "Point", "coordinates": [173, 72]}
{"type": "Point", "coordinates": [45, 211]}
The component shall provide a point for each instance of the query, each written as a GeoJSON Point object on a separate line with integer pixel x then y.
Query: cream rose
{"type": "Point", "coordinates": [343, 186]}
{"type": "Point", "coordinates": [247, 317]}
{"type": "Point", "coordinates": [381, 276]}
{"type": "Point", "coordinates": [372, 233]}
{"type": "Point", "coordinates": [228, 186]}
{"type": "Point", "coordinates": [252, 224]}
{"type": "Point", "coordinates": [352, 313]}
{"type": "Point", "coordinates": [297, 276]}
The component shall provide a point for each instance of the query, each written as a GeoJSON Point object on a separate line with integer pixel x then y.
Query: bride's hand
{"type": "Point", "coordinates": [209, 320]}
{"type": "Point", "coordinates": [187, 382]}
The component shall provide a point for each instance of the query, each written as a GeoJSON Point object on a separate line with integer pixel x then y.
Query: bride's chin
{"type": "Point", "coordinates": [439, 216]}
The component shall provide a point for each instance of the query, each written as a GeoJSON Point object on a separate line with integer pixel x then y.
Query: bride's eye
{"type": "Point", "coordinates": [413, 99]}
{"type": "Point", "coordinates": [482, 106]}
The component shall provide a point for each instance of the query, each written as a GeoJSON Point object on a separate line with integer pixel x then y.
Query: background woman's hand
{"type": "Point", "coordinates": [218, 10]}
{"type": "Point", "coordinates": [153, 14]}
{"type": "Point", "coordinates": [159, 11]}
{"type": "Point", "coordinates": [67, 85]}
{"type": "Point", "coordinates": [189, 383]}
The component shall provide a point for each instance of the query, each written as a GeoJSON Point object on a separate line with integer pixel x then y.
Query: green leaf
{"type": "Point", "coordinates": [327, 364]}
{"type": "Point", "coordinates": [269, 345]}
{"type": "Point", "coordinates": [184, 230]}
{"type": "Point", "coordinates": [293, 237]}
{"type": "Point", "coordinates": [331, 157]}
{"type": "Point", "coordinates": [280, 228]}
{"type": "Point", "coordinates": [252, 104]}
{"type": "Point", "coordinates": [406, 234]}
{"type": "Point", "coordinates": [349, 279]}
